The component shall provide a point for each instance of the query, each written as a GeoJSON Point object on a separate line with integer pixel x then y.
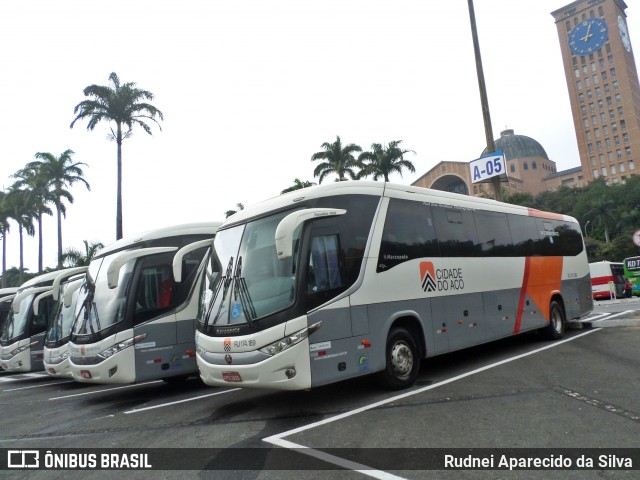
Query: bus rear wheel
{"type": "Point", "coordinates": [556, 327]}
{"type": "Point", "coordinates": [402, 360]}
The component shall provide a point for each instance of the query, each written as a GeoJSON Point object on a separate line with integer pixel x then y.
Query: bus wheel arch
{"type": "Point", "coordinates": [404, 350]}
{"type": "Point", "coordinates": [557, 319]}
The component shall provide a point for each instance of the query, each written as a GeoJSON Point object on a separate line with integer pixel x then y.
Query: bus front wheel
{"type": "Point", "coordinates": [555, 329]}
{"type": "Point", "coordinates": [402, 360]}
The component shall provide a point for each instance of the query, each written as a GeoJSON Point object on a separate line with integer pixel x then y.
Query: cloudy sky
{"type": "Point", "coordinates": [250, 89]}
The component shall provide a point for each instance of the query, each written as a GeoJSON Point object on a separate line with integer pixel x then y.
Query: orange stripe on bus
{"type": "Point", "coordinates": [542, 276]}
{"type": "Point", "coordinates": [540, 214]}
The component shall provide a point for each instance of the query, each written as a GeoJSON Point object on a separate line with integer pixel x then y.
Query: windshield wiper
{"type": "Point", "coordinates": [226, 281]}
{"type": "Point", "coordinates": [243, 292]}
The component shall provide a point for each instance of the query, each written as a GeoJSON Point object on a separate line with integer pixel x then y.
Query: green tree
{"type": "Point", "coordinates": [60, 172]}
{"type": "Point", "coordinates": [31, 179]}
{"type": "Point", "coordinates": [337, 159]}
{"type": "Point", "coordinates": [382, 161]}
{"type": "Point", "coordinates": [20, 209]}
{"type": "Point", "coordinates": [73, 257]}
{"type": "Point", "coordinates": [124, 104]}
{"type": "Point", "coordinates": [228, 213]}
{"type": "Point", "coordinates": [298, 185]}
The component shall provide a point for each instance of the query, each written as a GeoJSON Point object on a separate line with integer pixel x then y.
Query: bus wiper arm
{"type": "Point", "coordinates": [242, 291]}
{"type": "Point", "coordinates": [226, 281]}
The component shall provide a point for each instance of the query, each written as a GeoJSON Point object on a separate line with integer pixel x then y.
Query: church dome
{"type": "Point", "coordinates": [518, 146]}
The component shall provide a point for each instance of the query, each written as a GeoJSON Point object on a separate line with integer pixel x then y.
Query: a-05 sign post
{"type": "Point", "coordinates": [488, 166]}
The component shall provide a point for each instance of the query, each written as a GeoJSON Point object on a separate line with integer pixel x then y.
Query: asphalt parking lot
{"type": "Point", "coordinates": [521, 393]}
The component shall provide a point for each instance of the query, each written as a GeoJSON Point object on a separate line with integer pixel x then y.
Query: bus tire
{"type": "Point", "coordinates": [557, 322]}
{"type": "Point", "coordinates": [402, 360]}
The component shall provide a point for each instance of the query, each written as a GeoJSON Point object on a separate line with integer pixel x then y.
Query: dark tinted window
{"type": "Point", "coordinates": [353, 228]}
{"type": "Point", "coordinates": [457, 234]}
{"type": "Point", "coordinates": [408, 233]}
{"type": "Point", "coordinates": [494, 235]}
{"type": "Point", "coordinates": [524, 233]}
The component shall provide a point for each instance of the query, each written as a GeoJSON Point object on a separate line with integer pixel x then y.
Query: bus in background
{"type": "Point", "coordinates": [56, 343]}
{"type": "Point", "coordinates": [6, 297]}
{"type": "Point", "coordinates": [632, 273]}
{"type": "Point", "coordinates": [337, 281]}
{"type": "Point", "coordinates": [133, 321]}
{"type": "Point", "coordinates": [22, 340]}
{"type": "Point", "coordinates": [602, 273]}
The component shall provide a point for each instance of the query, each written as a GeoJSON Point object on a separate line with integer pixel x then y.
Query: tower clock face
{"type": "Point", "coordinates": [588, 36]}
{"type": "Point", "coordinates": [624, 34]}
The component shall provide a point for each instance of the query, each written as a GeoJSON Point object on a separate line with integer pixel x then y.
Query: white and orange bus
{"type": "Point", "coordinates": [605, 274]}
{"type": "Point", "coordinates": [337, 281]}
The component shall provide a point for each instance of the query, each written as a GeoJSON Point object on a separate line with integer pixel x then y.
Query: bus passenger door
{"type": "Point", "coordinates": [154, 317]}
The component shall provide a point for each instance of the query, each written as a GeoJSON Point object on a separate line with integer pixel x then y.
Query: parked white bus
{"type": "Point", "coordinates": [56, 342]}
{"type": "Point", "coordinates": [6, 297]}
{"type": "Point", "coordinates": [134, 322]}
{"type": "Point", "coordinates": [22, 340]}
{"type": "Point", "coordinates": [342, 280]}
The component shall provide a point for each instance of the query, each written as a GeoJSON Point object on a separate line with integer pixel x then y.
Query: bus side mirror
{"type": "Point", "coordinates": [177, 259]}
{"type": "Point", "coordinates": [24, 294]}
{"type": "Point", "coordinates": [68, 273]}
{"type": "Point", "coordinates": [113, 272]}
{"type": "Point", "coordinates": [68, 293]}
{"type": "Point", "coordinates": [288, 225]}
{"type": "Point", "coordinates": [36, 301]}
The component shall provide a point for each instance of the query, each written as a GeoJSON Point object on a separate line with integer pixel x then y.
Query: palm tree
{"type": "Point", "coordinates": [601, 213]}
{"type": "Point", "coordinates": [75, 258]}
{"type": "Point", "coordinates": [4, 228]}
{"type": "Point", "coordinates": [125, 105]}
{"type": "Point", "coordinates": [20, 209]}
{"type": "Point", "coordinates": [239, 207]}
{"type": "Point", "coordinates": [337, 159]}
{"type": "Point", "coordinates": [297, 185]}
{"type": "Point", "coordinates": [36, 184]}
{"type": "Point", "coordinates": [59, 172]}
{"type": "Point", "coordinates": [382, 161]}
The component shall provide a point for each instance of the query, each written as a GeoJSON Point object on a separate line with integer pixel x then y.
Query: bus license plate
{"type": "Point", "coordinates": [231, 377]}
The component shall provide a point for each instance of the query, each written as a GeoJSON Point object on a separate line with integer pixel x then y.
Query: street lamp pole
{"type": "Point", "coordinates": [491, 147]}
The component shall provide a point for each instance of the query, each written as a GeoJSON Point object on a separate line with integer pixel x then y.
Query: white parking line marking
{"type": "Point", "coordinates": [596, 316]}
{"type": "Point", "coordinates": [278, 438]}
{"type": "Point", "coordinates": [613, 316]}
{"type": "Point", "coordinates": [136, 410]}
{"type": "Point", "coordinates": [105, 390]}
{"type": "Point", "coordinates": [22, 376]}
{"type": "Point", "coordinates": [37, 386]}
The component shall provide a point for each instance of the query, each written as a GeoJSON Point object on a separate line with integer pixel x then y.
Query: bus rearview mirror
{"type": "Point", "coordinates": [288, 225]}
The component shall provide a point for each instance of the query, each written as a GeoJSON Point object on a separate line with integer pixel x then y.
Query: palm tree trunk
{"type": "Point", "coordinates": [4, 257]}
{"type": "Point", "coordinates": [59, 220]}
{"type": "Point", "coordinates": [21, 276]}
{"type": "Point", "coordinates": [119, 188]}
{"type": "Point", "coordinates": [40, 243]}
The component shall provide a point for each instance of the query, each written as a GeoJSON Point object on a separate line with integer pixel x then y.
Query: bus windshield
{"type": "Point", "coordinates": [98, 306]}
{"type": "Point", "coordinates": [248, 280]}
{"type": "Point", "coordinates": [62, 318]}
{"type": "Point", "coordinates": [17, 322]}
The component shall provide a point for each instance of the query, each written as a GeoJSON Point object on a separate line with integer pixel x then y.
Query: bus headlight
{"type": "Point", "coordinates": [289, 341]}
{"type": "Point", "coordinates": [120, 346]}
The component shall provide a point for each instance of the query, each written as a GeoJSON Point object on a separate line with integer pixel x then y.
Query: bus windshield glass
{"type": "Point", "coordinates": [17, 322]}
{"type": "Point", "coordinates": [98, 306]}
{"type": "Point", "coordinates": [62, 318]}
{"type": "Point", "coordinates": [248, 280]}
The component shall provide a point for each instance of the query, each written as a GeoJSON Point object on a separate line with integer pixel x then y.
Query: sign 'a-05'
{"type": "Point", "coordinates": [488, 166]}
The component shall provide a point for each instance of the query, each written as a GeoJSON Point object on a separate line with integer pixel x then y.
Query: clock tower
{"type": "Point", "coordinates": [603, 87]}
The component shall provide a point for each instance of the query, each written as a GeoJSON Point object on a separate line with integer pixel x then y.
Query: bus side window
{"type": "Point", "coordinates": [324, 264]}
{"type": "Point", "coordinates": [154, 292]}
